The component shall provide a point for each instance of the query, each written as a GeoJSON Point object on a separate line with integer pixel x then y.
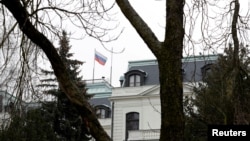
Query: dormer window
{"type": "Point", "coordinates": [102, 111]}
{"type": "Point", "coordinates": [205, 70]}
{"type": "Point", "coordinates": [134, 78]}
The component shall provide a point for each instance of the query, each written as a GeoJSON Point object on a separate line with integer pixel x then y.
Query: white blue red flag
{"type": "Point", "coordinates": [100, 58]}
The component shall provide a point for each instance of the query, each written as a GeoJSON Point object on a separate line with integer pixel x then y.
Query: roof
{"type": "Point", "coordinates": [152, 73]}
{"type": "Point", "coordinates": [191, 66]}
{"type": "Point", "coordinates": [101, 90]}
{"type": "Point", "coordinates": [8, 97]}
{"type": "Point", "coordinates": [100, 101]}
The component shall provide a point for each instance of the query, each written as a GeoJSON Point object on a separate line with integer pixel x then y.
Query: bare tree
{"type": "Point", "coordinates": [215, 32]}
{"type": "Point", "coordinates": [36, 20]}
{"type": "Point", "coordinates": [223, 27]}
{"type": "Point", "coordinates": [169, 55]}
{"type": "Point", "coordinates": [238, 70]}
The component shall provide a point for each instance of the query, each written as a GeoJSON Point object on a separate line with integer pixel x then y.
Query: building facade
{"type": "Point", "coordinates": [136, 104]}
{"type": "Point", "coordinates": [131, 112]}
{"type": "Point", "coordinates": [100, 91]}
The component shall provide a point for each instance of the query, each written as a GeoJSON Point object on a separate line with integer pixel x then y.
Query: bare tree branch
{"type": "Point", "coordinates": [140, 26]}
{"type": "Point", "coordinates": [69, 87]}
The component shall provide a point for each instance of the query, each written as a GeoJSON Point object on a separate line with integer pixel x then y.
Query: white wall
{"type": "Point", "coordinates": [129, 100]}
{"type": "Point", "coordinates": [145, 100]}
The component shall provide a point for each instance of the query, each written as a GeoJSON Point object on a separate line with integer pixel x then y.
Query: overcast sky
{"type": "Point", "coordinates": [153, 12]}
{"type": "Point", "coordinates": [129, 40]}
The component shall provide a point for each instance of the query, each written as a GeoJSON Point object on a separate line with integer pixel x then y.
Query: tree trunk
{"type": "Point", "coordinates": [170, 67]}
{"type": "Point", "coordinates": [70, 88]}
{"type": "Point", "coordinates": [169, 55]}
{"type": "Point", "coordinates": [171, 94]}
{"type": "Point", "coordinates": [239, 117]}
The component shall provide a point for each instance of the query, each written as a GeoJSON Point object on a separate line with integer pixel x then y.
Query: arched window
{"type": "Point", "coordinates": [102, 111]}
{"type": "Point", "coordinates": [205, 70]}
{"type": "Point", "coordinates": [132, 122]}
{"type": "Point", "coordinates": [134, 78]}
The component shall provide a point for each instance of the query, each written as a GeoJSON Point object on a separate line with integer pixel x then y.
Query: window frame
{"type": "Point", "coordinates": [101, 113]}
{"type": "Point", "coordinates": [132, 118]}
{"type": "Point", "coordinates": [206, 69]}
{"type": "Point", "coordinates": [135, 78]}
{"type": "Point", "coordinates": [104, 111]}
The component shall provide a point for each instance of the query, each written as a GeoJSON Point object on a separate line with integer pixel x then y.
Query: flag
{"type": "Point", "coordinates": [100, 58]}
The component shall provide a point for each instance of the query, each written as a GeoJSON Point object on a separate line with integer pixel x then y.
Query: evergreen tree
{"type": "Point", "coordinates": [33, 126]}
{"type": "Point", "coordinates": [55, 120]}
{"type": "Point", "coordinates": [68, 124]}
{"type": "Point", "coordinates": [213, 98]}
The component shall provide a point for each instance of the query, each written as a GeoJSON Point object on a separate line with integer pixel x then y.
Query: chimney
{"type": "Point", "coordinates": [121, 80]}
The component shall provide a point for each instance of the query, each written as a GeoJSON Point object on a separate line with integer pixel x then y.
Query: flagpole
{"type": "Point", "coordinates": [111, 69]}
{"type": "Point", "coordinates": [111, 66]}
{"type": "Point", "coordinates": [93, 68]}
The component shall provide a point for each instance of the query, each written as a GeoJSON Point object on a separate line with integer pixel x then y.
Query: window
{"type": "Point", "coordinates": [102, 111]}
{"type": "Point", "coordinates": [205, 70]}
{"type": "Point", "coordinates": [132, 122]}
{"type": "Point", "coordinates": [134, 80]}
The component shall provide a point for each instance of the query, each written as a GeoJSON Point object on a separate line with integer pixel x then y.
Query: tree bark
{"type": "Point", "coordinates": [235, 35]}
{"type": "Point", "coordinates": [236, 81]}
{"type": "Point", "coordinates": [169, 55]}
{"type": "Point", "coordinates": [70, 88]}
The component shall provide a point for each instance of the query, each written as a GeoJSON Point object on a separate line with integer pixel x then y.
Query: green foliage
{"type": "Point", "coordinates": [67, 123]}
{"type": "Point", "coordinates": [222, 97]}
{"type": "Point", "coordinates": [55, 120]}
{"type": "Point", "coordinates": [195, 130]}
{"type": "Point", "coordinates": [32, 126]}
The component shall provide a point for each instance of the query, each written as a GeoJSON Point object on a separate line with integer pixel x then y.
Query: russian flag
{"type": "Point", "coordinates": [100, 58]}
